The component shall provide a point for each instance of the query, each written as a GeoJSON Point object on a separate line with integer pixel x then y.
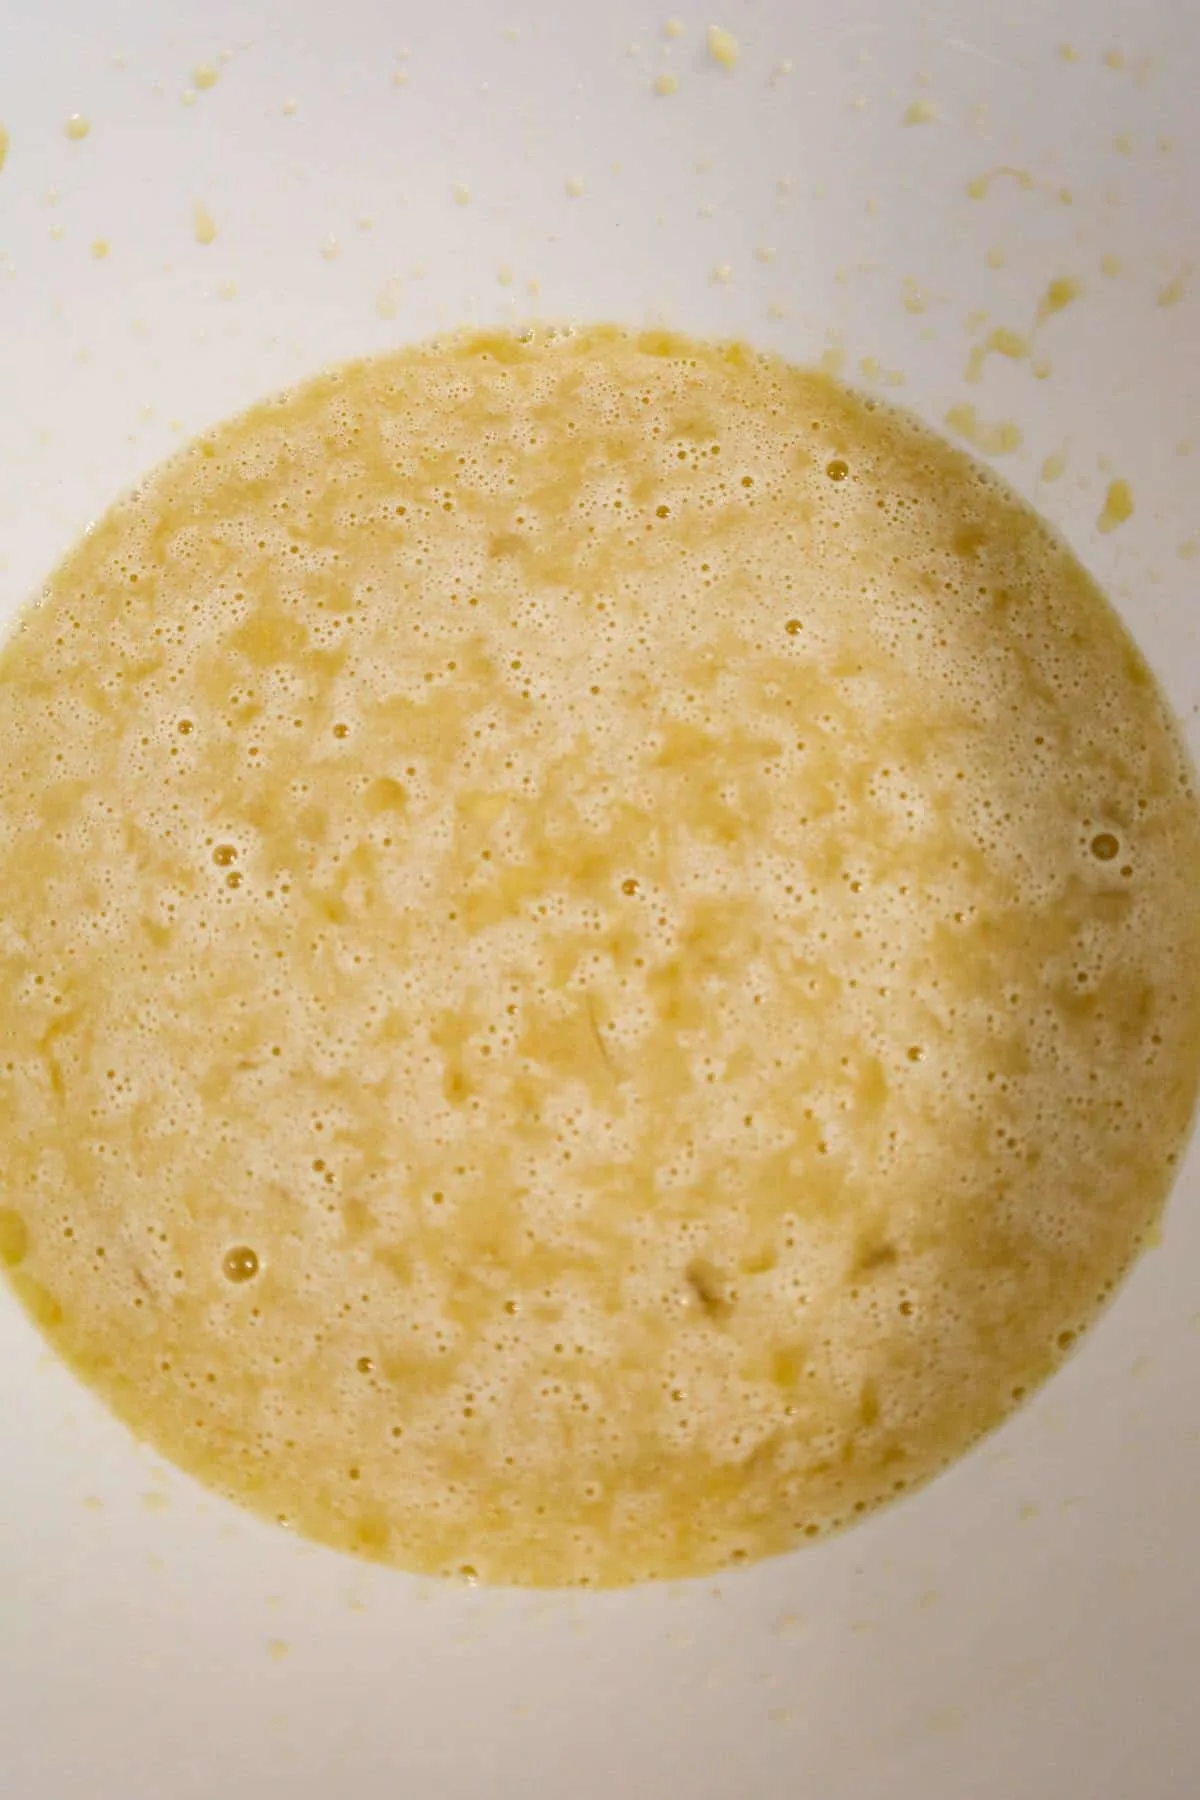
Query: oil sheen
{"type": "Point", "coordinates": [600, 956]}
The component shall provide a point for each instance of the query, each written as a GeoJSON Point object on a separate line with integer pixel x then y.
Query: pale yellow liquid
{"type": "Point", "coordinates": [600, 956]}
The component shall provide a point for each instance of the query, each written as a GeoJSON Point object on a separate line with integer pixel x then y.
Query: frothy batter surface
{"type": "Point", "coordinates": [600, 944]}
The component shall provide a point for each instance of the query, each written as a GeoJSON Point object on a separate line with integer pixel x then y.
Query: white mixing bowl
{"type": "Point", "coordinates": [1028, 1625]}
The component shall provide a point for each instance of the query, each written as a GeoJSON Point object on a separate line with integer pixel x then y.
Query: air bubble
{"type": "Point", "coordinates": [240, 1263]}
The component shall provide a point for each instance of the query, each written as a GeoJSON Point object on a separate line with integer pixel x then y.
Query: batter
{"type": "Point", "coordinates": [599, 956]}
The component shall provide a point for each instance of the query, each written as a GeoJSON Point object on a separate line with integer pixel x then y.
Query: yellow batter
{"type": "Point", "coordinates": [599, 956]}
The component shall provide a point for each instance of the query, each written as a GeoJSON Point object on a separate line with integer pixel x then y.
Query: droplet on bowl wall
{"type": "Point", "coordinates": [1114, 59]}
{"type": "Point", "coordinates": [100, 248]}
{"type": "Point", "coordinates": [915, 300]}
{"type": "Point", "coordinates": [205, 75]}
{"type": "Point", "coordinates": [1003, 341]}
{"type": "Point", "coordinates": [77, 127]}
{"type": "Point", "coordinates": [3, 146]}
{"type": "Point", "coordinates": [188, 97]}
{"type": "Point", "coordinates": [1068, 53]}
{"type": "Point", "coordinates": [462, 193]}
{"type": "Point", "coordinates": [873, 370]}
{"type": "Point", "coordinates": [330, 248]}
{"type": "Point", "coordinates": [1173, 291]}
{"type": "Point", "coordinates": [290, 108]}
{"type": "Point", "coordinates": [574, 186]}
{"type": "Point", "coordinates": [979, 185]}
{"type": "Point", "coordinates": [673, 28]}
{"type": "Point", "coordinates": [722, 273]}
{"type": "Point", "coordinates": [1060, 293]}
{"type": "Point", "coordinates": [278, 1649]}
{"type": "Point", "coordinates": [1054, 466]}
{"type": "Point", "coordinates": [1110, 266]}
{"type": "Point", "coordinates": [387, 301]}
{"type": "Point", "coordinates": [666, 84]}
{"type": "Point", "coordinates": [504, 275]}
{"type": "Point", "coordinates": [723, 47]}
{"type": "Point", "coordinates": [1118, 506]}
{"type": "Point", "coordinates": [920, 112]}
{"type": "Point", "coordinates": [204, 228]}
{"type": "Point", "coordinates": [994, 438]}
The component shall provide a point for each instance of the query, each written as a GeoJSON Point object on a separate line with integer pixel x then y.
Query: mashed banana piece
{"type": "Point", "coordinates": [600, 945]}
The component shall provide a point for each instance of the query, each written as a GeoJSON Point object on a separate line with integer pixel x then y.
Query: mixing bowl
{"type": "Point", "coordinates": [201, 203]}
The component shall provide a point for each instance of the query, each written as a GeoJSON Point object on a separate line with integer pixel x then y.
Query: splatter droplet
{"type": "Point", "coordinates": [1059, 294]}
{"type": "Point", "coordinates": [1173, 291]}
{"type": "Point", "coordinates": [723, 47]}
{"type": "Point", "coordinates": [993, 438]}
{"type": "Point", "coordinates": [1118, 506]}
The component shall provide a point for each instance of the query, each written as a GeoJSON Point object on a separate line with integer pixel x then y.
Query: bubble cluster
{"type": "Point", "coordinates": [602, 945]}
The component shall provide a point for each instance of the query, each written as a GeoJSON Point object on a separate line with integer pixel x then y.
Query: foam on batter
{"type": "Point", "coordinates": [600, 944]}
